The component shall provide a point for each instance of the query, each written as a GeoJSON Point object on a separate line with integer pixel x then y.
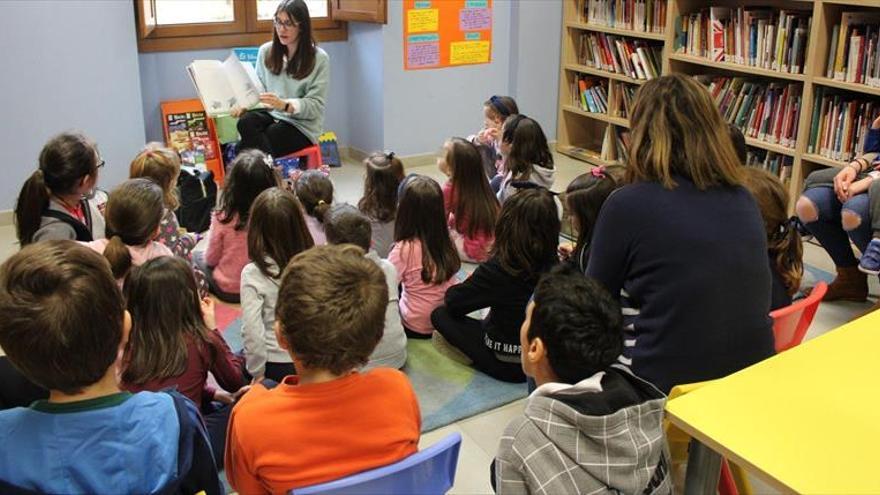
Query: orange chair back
{"type": "Point", "coordinates": [790, 323]}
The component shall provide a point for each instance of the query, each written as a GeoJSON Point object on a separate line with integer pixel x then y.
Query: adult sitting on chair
{"type": "Point", "coordinates": [295, 73]}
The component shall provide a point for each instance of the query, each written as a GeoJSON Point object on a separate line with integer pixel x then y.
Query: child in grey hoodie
{"type": "Point", "coordinates": [527, 155]}
{"type": "Point", "coordinates": [591, 426]}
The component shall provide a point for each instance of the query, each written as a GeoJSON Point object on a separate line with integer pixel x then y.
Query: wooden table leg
{"type": "Point", "coordinates": [703, 469]}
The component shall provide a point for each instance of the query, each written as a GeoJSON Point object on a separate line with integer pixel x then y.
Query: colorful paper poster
{"type": "Point", "coordinates": [444, 33]}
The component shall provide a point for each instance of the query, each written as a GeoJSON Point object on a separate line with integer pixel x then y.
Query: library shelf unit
{"type": "Point", "coordinates": [584, 135]}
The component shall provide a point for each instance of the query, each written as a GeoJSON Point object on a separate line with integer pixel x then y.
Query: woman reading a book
{"type": "Point", "coordinates": [295, 73]}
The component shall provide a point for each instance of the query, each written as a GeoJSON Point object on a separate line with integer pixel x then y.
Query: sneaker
{"type": "Point", "coordinates": [870, 262]}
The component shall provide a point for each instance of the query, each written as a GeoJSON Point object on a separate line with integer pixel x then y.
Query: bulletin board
{"type": "Point", "coordinates": [446, 33]}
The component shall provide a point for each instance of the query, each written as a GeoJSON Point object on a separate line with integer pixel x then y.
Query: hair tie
{"type": "Point", "coordinates": [321, 202]}
{"type": "Point", "coordinates": [389, 155]}
{"type": "Point", "coordinates": [598, 172]}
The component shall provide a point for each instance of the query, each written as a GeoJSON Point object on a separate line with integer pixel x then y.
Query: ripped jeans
{"type": "Point", "coordinates": [836, 223]}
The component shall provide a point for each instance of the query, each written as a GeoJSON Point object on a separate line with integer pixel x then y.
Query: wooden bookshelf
{"type": "Point", "coordinates": [580, 133]}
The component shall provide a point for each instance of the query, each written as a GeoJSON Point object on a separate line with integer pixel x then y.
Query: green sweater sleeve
{"type": "Point", "coordinates": [311, 104]}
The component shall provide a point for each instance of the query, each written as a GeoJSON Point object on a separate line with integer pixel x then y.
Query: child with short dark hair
{"type": "Point", "coordinates": [526, 239]}
{"type": "Point", "coordinates": [251, 173]}
{"type": "Point", "coordinates": [608, 433]}
{"type": "Point", "coordinates": [315, 191]}
{"type": "Point", "coordinates": [346, 225]}
{"type": "Point", "coordinates": [528, 157]}
{"type": "Point", "coordinates": [328, 421]}
{"type": "Point", "coordinates": [52, 203]}
{"type": "Point", "coordinates": [134, 211]}
{"type": "Point", "coordinates": [423, 254]}
{"type": "Point", "coordinates": [277, 232]}
{"type": "Point", "coordinates": [379, 202]}
{"type": "Point", "coordinates": [471, 208]}
{"type": "Point", "coordinates": [64, 326]}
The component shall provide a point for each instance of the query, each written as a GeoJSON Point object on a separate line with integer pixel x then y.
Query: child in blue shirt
{"type": "Point", "coordinates": [64, 327]}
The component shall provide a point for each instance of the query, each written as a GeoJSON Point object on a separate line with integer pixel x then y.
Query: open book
{"type": "Point", "coordinates": [224, 85]}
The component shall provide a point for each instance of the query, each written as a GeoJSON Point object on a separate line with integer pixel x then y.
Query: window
{"type": "Point", "coordinates": [168, 25]}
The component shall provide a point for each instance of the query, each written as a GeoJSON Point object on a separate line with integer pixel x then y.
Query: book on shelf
{"type": "Point", "coordinates": [224, 85]}
{"type": "Point", "coordinates": [615, 145]}
{"type": "Point", "coordinates": [632, 58]}
{"type": "Point", "coordinates": [840, 123]}
{"type": "Point", "coordinates": [762, 110]}
{"type": "Point", "coordinates": [852, 54]}
{"type": "Point", "coordinates": [623, 96]}
{"type": "Point", "coordinates": [754, 36]}
{"type": "Point", "coordinates": [590, 94]}
{"type": "Point", "coordinates": [647, 16]}
{"type": "Point", "coordinates": [775, 163]}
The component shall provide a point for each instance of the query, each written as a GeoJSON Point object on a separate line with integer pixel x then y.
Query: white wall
{"type": "Point", "coordinates": [70, 65]}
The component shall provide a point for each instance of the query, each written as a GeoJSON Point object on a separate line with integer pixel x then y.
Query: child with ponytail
{"type": "Point", "coordinates": [784, 246]}
{"type": "Point", "coordinates": [133, 213]}
{"type": "Point", "coordinates": [379, 202]}
{"type": "Point", "coordinates": [488, 141]}
{"type": "Point", "coordinates": [251, 173]}
{"type": "Point", "coordinates": [52, 203]}
{"type": "Point", "coordinates": [584, 197]}
{"type": "Point", "coordinates": [471, 208]}
{"type": "Point", "coordinates": [162, 165]}
{"type": "Point", "coordinates": [315, 191]}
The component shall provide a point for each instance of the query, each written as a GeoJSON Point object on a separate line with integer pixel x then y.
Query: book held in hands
{"type": "Point", "coordinates": [225, 85]}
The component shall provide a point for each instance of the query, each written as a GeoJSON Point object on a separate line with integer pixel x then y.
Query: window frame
{"type": "Point", "coordinates": [244, 30]}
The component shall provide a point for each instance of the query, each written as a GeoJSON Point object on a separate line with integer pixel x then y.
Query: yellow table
{"type": "Point", "coordinates": [805, 421]}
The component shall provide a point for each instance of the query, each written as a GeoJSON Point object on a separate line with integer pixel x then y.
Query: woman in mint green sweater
{"type": "Point", "coordinates": [295, 73]}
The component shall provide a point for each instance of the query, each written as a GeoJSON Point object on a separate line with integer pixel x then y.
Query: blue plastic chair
{"type": "Point", "coordinates": [427, 472]}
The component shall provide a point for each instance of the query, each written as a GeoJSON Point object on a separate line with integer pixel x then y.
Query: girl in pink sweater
{"type": "Point", "coordinates": [471, 208]}
{"type": "Point", "coordinates": [251, 173]}
{"type": "Point", "coordinates": [423, 254]}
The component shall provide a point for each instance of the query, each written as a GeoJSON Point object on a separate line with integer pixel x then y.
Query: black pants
{"type": "Point", "coordinates": [260, 130]}
{"type": "Point", "coordinates": [216, 416]}
{"type": "Point", "coordinates": [467, 335]}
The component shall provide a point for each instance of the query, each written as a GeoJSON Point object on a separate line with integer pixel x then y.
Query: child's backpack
{"type": "Point", "coordinates": [197, 193]}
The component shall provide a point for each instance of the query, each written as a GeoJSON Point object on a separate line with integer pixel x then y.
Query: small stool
{"type": "Point", "coordinates": [312, 155]}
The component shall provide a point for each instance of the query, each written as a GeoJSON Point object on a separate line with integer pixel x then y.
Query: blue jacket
{"type": "Point", "coordinates": [122, 443]}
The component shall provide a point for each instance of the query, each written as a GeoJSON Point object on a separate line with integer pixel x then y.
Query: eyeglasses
{"type": "Point", "coordinates": [284, 24]}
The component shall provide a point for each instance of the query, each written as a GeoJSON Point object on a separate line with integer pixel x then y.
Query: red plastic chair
{"type": "Point", "coordinates": [790, 323]}
{"type": "Point", "coordinates": [312, 155]}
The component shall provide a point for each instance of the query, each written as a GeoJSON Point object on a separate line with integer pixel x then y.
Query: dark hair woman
{"type": "Point", "coordinates": [295, 74]}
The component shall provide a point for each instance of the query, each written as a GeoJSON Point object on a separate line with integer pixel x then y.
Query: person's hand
{"type": "Point", "coordinates": [223, 397]}
{"type": "Point", "coordinates": [272, 101]}
{"type": "Point", "coordinates": [257, 380]}
{"type": "Point", "coordinates": [565, 249]}
{"type": "Point", "coordinates": [208, 312]}
{"type": "Point", "coordinates": [859, 187]}
{"type": "Point", "coordinates": [844, 179]}
{"type": "Point", "coordinates": [237, 112]}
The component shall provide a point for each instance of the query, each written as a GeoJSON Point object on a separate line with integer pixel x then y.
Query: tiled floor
{"type": "Point", "coordinates": [480, 434]}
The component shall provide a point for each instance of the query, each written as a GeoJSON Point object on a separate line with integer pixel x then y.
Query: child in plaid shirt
{"type": "Point", "coordinates": [570, 339]}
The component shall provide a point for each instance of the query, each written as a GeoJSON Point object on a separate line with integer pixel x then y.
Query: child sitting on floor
{"type": "Point", "coordinates": [471, 208]}
{"type": "Point", "coordinates": [64, 326]}
{"type": "Point", "coordinates": [526, 240]}
{"type": "Point", "coordinates": [495, 111]}
{"type": "Point", "coordinates": [527, 155]}
{"type": "Point", "coordinates": [584, 197]}
{"type": "Point", "coordinates": [607, 433]}
{"type": "Point", "coordinates": [315, 191]}
{"type": "Point", "coordinates": [328, 421]}
{"type": "Point", "coordinates": [251, 173]}
{"type": "Point", "coordinates": [379, 202]}
{"type": "Point", "coordinates": [346, 225]}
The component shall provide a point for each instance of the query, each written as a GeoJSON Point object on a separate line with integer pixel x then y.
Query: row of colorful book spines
{"type": "Point", "coordinates": [858, 68]}
{"type": "Point", "coordinates": [838, 128]}
{"type": "Point", "coordinates": [620, 60]}
{"type": "Point", "coordinates": [784, 57]}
